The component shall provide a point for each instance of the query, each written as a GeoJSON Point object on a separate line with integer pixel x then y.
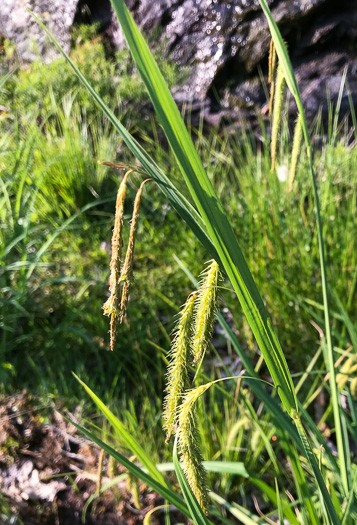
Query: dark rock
{"type": "Point", "coordinates": [17, 25]}
{"type": "Point", "coordinates": [223, 43]}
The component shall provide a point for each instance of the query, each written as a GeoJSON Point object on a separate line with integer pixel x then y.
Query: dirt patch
{"type": "Point", "coordinates": [48, 472]}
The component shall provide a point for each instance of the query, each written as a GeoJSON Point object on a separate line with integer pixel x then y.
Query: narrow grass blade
{"type": "Point", "coordinates": [271, 494]}
{"type": "Point", "coordinates": [280, 510]}
{"type": "Point", "coordinates": [126, 438]}
{"type": "Point", "coordinates": [223, 467]}
{"type": "Point", "coordinates": [241, 514]}
{"type": "Point", "coordinates": [351, 328]}
{"type": "Point", "coordinates": [105, 487]}
{"type": "Point", "coordinates": [351, 497]}
{"type": "Point", "coordinates": [210, 208]}
{"type": "Point", "coordinates": [197, 515]}
{"type": "Point", "coordinates": [308, 510]}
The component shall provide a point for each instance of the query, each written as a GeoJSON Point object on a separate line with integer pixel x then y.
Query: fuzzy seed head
{"type": "Point", "coordinates": [177, 372]}
{"type": "Point", "coordinates": [204, 312]}
{"type": "Point", "coordinates": [277, 113]}
{"type": "Point", "coordinates": [189, 446]}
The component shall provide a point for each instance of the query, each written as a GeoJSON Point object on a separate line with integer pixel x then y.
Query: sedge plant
{"type": "Point", "coordinates": [210, 224]}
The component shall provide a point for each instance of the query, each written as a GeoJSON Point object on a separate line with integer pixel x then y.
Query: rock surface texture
{"type": "Point", "coordinates": [224, 43]}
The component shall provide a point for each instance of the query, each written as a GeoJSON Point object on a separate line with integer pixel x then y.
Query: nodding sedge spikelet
{"type": "Point", "coordinates": [127, 270]}
{"type": "Point", "coordinates": [277, 113]}
{"type": "Point", "coordinates": [204, 312]}
{"type": "Point", "coordinates": [272, 73]}
{"type": "Point", "coordinates": [295, 151]}
{"type": "Point", "coordinates": [177, 372]}
{"type": "Point", "coordinates": [189, 448]}
{"type": "Point", "coordinates": [112, 305]}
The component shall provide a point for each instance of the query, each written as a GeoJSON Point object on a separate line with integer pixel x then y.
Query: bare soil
{"type": "Point", "coordinates": [48, 472]}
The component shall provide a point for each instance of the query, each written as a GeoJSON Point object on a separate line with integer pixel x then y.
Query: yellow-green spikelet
{"type": "Point", "coordinates": [272, 74]}
{"type": "Point", "coordinates": [277, 113]}
{"type": "Point", "coordinates": [204, 311]}
{"type": "Point", "coordinates": [127, 270]}
{"type": "Point", "coordinates": [112, 305]}
{"type": "Point", "coordinates": [189, 448]}
{"type": "Point", "coordinates": [177, 372]}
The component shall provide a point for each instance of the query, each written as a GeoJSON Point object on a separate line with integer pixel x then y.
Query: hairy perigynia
{"type": "Point", "coordinates": [272, 73]}
{"type": "Point", "coordinates": [112, 305]}
{"type": "Point", "coordinates": [189, 447]}
{"type": "Point", "coordinates": [277, 113]}
{"type": "Point", "coordinates": [127, 270]}
{"type": "Point", "coordinates": [204, 311]}
{"type": "Point", "coordinates": [177, 372]}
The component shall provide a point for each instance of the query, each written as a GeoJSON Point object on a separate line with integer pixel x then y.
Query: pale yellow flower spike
{"type": "Point", "coordinates": [277, 113]}
{"type": "Point", "coordinates": [112, 305]}
{"type": "Point", "coordinates": [272, 74]}
{"type": "Point", "coordinates": [127, 269]}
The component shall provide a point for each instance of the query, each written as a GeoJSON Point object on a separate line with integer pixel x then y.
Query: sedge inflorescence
{"type": "Point", "coordinates": [189, 445]}
{"type": "Point", "coordinates": [277, 82]}
{"type": "Point", "coordinates": [120, 275]}
{"type": "Point", "coordinates": [190, 341]}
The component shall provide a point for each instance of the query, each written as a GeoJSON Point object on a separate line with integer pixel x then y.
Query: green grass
{"type": "Point", "coordinates": [56, 215]}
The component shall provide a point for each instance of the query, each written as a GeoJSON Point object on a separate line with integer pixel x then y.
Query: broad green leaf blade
{"type": "Point", "coordinates": [294, 88]}
{"type": "Point", "coordinates": [165, 491]}
{"type": "Point", "coordinates": [125, 437]}
{"type": "Point", "coordinates": [197, 514]}
{"type": "Point", "coordinates": [183, 207]}
{"type": "Point", "coordinates": [214, 217]}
